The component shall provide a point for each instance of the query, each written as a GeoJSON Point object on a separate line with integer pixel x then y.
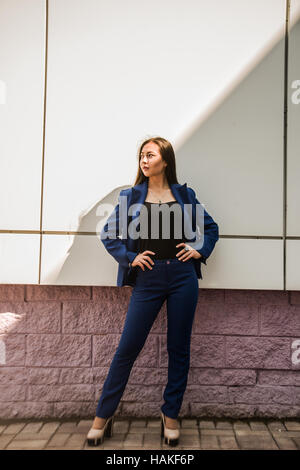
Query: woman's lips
{"type": "Point", "coordinates": [145, 168]}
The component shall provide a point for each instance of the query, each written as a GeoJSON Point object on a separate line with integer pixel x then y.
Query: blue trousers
{"type": "Point", "coordinates": [176, 282]}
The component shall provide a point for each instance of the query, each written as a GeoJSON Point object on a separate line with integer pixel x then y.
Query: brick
{"type": "Point", "coordinates": [30, 317]}
{"type": "Point", "coordinates": [277, 320]}
{"type": "Point", "coordinates": [215, 376]}
{"type": "Point", "coordinates": [46, 293]}
{"type": "Point", "coordinates": [42, 375]}
{"type": "Point", "coordinates": [75, 392]}
{"type": "Point", "coordinates": [253, 352]}
{"type": "Point", "coordinates": [58, 350]}
{"type": "Point", "coordinates": [256, 296]}
{"type": "Point", "coordinates": [92, 317]}
{"type": "Point", "coordinates": [282, 377]}
{"type": "Point", "coordinates": [13, 292]}
{"type": "Point", "coordinates": [226, 319]}
{"type": "Point", "coordinates": [206, 394]}
{"type": "Point", "coordinates": [12, 392]}
{"type": "Point", "coordinates": [14, 349]}
{"type": "Point", "coordinates": [261, 394]}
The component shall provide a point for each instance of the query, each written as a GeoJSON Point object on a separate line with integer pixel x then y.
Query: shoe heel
{"type": "Point", "coordinates": [167, 440]}
{"type": "Point", "coordinates": [109, 428]}
{"type": "Point", "coordinates": [107, 431]}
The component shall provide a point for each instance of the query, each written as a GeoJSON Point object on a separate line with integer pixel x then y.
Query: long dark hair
{"type": "Point", "coordinates": [167, 154]}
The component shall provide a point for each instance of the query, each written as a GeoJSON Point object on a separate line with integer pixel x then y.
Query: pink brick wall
{"type": "Point", "coordinates": [57, 342]}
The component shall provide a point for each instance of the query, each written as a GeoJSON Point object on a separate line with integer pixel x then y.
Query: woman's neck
{"type": "Point", "coordinates": [158, 183]}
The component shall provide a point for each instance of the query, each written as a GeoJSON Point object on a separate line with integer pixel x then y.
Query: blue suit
{"type": "Point", "coordinates": [125, 250]}
{"type": "Point", "coordinates": [170, 280]}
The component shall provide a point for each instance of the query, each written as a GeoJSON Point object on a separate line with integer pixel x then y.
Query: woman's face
{"type": "Point", "coordinates": [151, 161]}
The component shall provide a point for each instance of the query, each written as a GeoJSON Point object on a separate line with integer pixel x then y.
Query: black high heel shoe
{"type": "Point", "coordinates": [96, 436]}
{"type": "Point", "coordinates": [171, 435]}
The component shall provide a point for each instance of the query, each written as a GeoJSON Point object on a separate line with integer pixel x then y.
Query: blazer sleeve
{"type": "Point", "coordinates": [110, 237]}
{"type": "Point", "coordinates": [211, 233]}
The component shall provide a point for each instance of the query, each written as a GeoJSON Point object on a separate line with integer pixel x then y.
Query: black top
{"type": "Point", "coordinates": [164, 228]}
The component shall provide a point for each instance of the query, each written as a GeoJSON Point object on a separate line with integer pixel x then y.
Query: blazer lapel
{"type": "Point", "coordinates": [139, 193]}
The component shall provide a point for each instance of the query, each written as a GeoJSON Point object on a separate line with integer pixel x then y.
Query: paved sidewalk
{"type": "Point", "coordinates": [205, 434]}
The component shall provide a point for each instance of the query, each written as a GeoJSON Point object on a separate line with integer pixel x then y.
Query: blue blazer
{"type": "Point", "coordinates": [124, 251]}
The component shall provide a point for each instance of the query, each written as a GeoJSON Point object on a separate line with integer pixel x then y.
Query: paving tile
{"type": "Point", "coordinates": [241, 425]}
{"type": "Point", "coordinates": [209, 443]}
{"type": "Point", "coordinates": [189, 423]}
{"type": "Point", "coordinates": [67, 427]}
{"type": "Point", "coordinates": [27, 444]}
{"type": "Point", "coordinates": [228, 443]}
{"type": "Point", "coordinates": [76, 439]}
{"type": "Point", "coordinates": [224, 425]}
{"type": "Point", "coordinates": [284, 443]}
{"type": "Point", "coordinates": [59, 439]}
{"type": "Point", "coordinates": [121, 426]}
{"type": "Point", "coordinates": [206, 424]}
{"type": "Point", "coordinates": [276, 426]}
{"type": "Point", "coordinates": [216, 432]}
{"type": "Point", "coordinates": [152, 441]}
{"type": "Point", "coordinates": [32, 427]}
{"type": "Point", "coordinates": [133, 439]}
{"type": "Point", "coordinates": [206, 434]}
{"type": "Point", "coordinates": [256, 441]}
{"type": "Point", "coordinates": [258, 425]}
{"type": "Point", "coordinates": [5, 440]}
{"type": "Point", "coordinates": [155, 423]}
{"type": "Point", "coordinates": [189, 440]}
{"type": "Point", "coordinates": [297, 442]}
{"type": "Point", "coordinates": [191, 431]}
{"type": "Point", "coordinates": [292, 425]}
{"type": "Point", "coordinates": [30, 435]}
{"type": "Point", "coordinates": [138, 423]}
{"type": "Point", "coordinates": [47, 430]}
{"type": "Point", "coordinates": [13, 428]}
{"type": "Point", "coordinates": [2, 427]}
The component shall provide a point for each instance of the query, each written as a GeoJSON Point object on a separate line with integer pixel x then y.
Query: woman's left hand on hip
{"type": "Point", "coordinates": [183, 255]}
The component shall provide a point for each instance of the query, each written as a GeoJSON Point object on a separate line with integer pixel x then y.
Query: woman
{"type": "Point", "coordinates": [159, 269]}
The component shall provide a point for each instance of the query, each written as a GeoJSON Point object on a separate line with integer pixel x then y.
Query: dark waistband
{"type": "Point", "coordinates": [171, 260]}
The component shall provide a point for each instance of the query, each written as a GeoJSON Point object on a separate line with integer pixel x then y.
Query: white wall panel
{"type": "Point", "coordinates": [293, 147]}
{"type": "Point", "coordinates": [293, 264]}
{"type": "Point", "coordinates": [22, 43]}
{"type": "Point", "coordinates": [19, 258]}
{"type": "Point", "coordinates": [244, 264]}
{"type": "Point", "coordinates": [119, 71]}
{"type": "Point", "coordinates": [76, 260]}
